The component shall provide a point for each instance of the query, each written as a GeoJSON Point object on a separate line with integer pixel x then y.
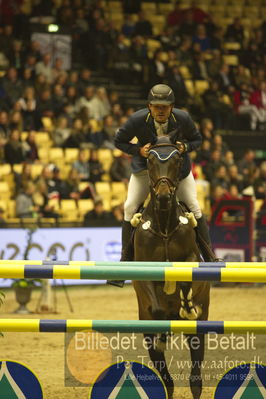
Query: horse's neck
{"type": "Point", "coordinates": [163, 221]}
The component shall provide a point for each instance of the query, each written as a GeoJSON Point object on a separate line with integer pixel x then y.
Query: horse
{"type": "Point", "coordinates": [165, 233]}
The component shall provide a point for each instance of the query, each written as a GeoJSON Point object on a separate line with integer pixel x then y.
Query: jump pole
{"type": "Point", "coordinates": [227, 265]}
{"type": "Point", "coordinates": [132, 273]}
{"type": "Point", "coordinates": [133, 326]}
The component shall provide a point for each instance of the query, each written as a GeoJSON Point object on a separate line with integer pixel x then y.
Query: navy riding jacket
{"type": "Point", "coordinates": [141, 125]}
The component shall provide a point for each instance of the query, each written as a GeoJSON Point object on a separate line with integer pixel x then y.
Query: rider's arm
{"type": "Point", "coordinates": [123, 137]}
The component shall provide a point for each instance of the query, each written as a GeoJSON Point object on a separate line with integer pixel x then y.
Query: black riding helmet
{"type": "Point", "coordinates": [161, 94]}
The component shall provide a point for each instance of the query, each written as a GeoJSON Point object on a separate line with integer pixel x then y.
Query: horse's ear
{"type": "Point", "coordinates": [173, 136]}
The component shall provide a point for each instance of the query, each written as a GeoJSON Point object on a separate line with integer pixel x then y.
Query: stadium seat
{"type": "Point", "coordinates": [231, 59]}
{"type": "Point", "coordinates": [165, 8]}
{"type": "Point", "coordinates": [36, 170]}
{"type": "Point", "coordinates": [42, 139]}
{"type": "Point", "coordinates": [106, 158]}
{"type": "Point", "coordinates": [68, 209]}
{"type": "Point", "coordinates": [4, 191]}
{"type": "Point", "coordinates": [71, 155]}
{"type": "Point", "coordinates": [185, 72]}
{"type": "Point", "coordinates": [17, 168]}
{"type": "Point", "coordinates": [190, 86]}
{"type": "Point", "coordinates": [56, 154]}
{"type": "Point", "coordinates": [44, 154]}
{"type": "Point", "coordinates": [201, 86]}
{"type": "Point", "coordinates": [84, 206]}
{"type": "Point", "coordinates": [11, 209]}
{"type": "Point", "coordinates": [119, 191]}
{"type": "Point", "coordinates": [5, 169]}
{"type": "Point", "coordinates": [232, 46]}
{"type": "Point", "coordinates": [149, 8]}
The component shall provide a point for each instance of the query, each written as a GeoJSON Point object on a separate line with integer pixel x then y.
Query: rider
{"type": "Point", "coordinates": [146, 125]}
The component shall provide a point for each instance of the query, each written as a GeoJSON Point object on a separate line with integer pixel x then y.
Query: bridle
{"type": "Point", "coordinates": [172, 186]}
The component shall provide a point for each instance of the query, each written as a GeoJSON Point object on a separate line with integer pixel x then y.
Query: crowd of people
{"type": "Point", "coordinates": [37, 93]}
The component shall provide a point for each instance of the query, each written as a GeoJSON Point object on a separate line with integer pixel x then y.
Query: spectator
{"type": "Point", "coordinates": [220, 178]}
{"type": "Point", "coordinates": [258, 99]}
{"type": "Point", "coordinates": [218, 144]}
{"type": "Point", "coordinates": [44, 67]}
{"type": "Point", "coordinates": [216, 108]}
{"type": "Point", "coordinates": [27, 78]}
{"type": "Point", "coordinates": [86, 99]}
{"type": "Point", "coordinates": [128, 27]}
{"type": "Point", "coordinates": [78, 135]}
{"type": "Point", "coordinates": [16, 57]}
{"type": "Point", "coordinates": [31, 148]}
{"type": "Point", "coordinates": [121, 167]}
{"type": "Point", "coordinates": [235, 32]}
{"type": "Point", "coordinates": [45, 104]}
{"type": "Point", "coordinates": [28, 104]}
{"type": "Point", "coordinates": [228, 158]}
{"type": "Point", "coordinates": [214, 163]}
{"type": "Point", "coordinates": [12, 86]}
{"type": "Point", "coordinates": [235, 178]}
{"type": "Point", "coordinates": [61, 132]}
{"type": "Point", "coordinates": [4, 124]}
{"type": "Point", "coordinates": [82, 166]}
{"type": "Point", "coordinates": [177, 83]}
{"type": "Point", "coordinates": [58, 97]}
{"type": "Point", "coordinates": [45, 209]}
{"type": "Point", "coordinates": [224, 78]}
{"type": "Point", "coordinates": [260, 182]}
{"type": "Point", "coordinates": [21, 180]}
{"type": "Point", "coordinates": [98, 216]}
{"type": "Point", "coordinates": [206, 128]}
{"type": "Point", "coordinates": [16, 121]}
{"type": "Point", "coordinates": [13, 149]}
{"type": "Point", "coordinates": [95, 167]}
{"type": "Point", "coordinates": [25, 207]}
{"type": "Point", "coordinates": [243, 105]}
{"type": "Point", "coordinates": [109, 129]}
{"type": "Point", "coordinates": [201, 38]}
{"type": "Point", "coordinates": [70, 188]}
{"type": "Point", "coordinates": [143, 27]}
{"type": "Point", "coordinates": [247, 164]}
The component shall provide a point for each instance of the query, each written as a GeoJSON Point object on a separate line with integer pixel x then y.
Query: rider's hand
{"type": "Point", "coordinates": [144, 151]}
{"type": "Point", "coordinates": [181, 146]}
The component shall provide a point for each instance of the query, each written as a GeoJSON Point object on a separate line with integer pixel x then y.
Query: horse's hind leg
{"type": "Point", "coordinates": [197, 356]}
{"type": "Point", "coordinates": [158, 359]}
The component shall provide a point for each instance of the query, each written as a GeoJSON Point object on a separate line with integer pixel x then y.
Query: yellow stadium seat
{"type": "Point", "coordinates": [115, 5]}
{"type": "Point", "coordinates": [231, 59]}
{"type": "Point", "coordinates": [5, 169]}
{"type": "Point", "coordinates": [68, 209]}
{"type": "Point", "coordinates": [106, 158]}
{"type": "Point", "coordinates": [44, 154]}
{"type": "Point", "coordinates": [201, 86]}
{"type": "Point", "coordinates": [11, 209]}
{"type": "Point", "coordinates": [17, 168]}
{"type": "Point", "coordinates": [234, 11]}
{"type": "Point", "coordinates": [3, 205]}
{"type": "Point", "coordinates": [84, 206]}
{"type": "Point", "coordinates": [190, 86]}
{"type": "Point", "coordinates": [149, 7]}
{"type": "Point", "coordinates": [232, 46]}
{"type": "Point", "coordinates": [43, 140]}
{"type": "Point", "coordinates": [184, 72]}
{"type": "Point", "coordinates": [55, 204]}
{"type": "Point", "coordinates": [119, 191]}
{"type": "Point", "coordinates": [56, 154]}
{"type": "Point", "coordinates": [103, 189]}
{"type": "Point", "coordinates": [165, 8]}
{"type": "Point", "coordinates": [71, 155]}
{"type": "Point", "coordinates": [36, 170]}
{"type": "Point", "coordinates": [4, 191]}
{"type": "Point", "coordinates": [251, 11]}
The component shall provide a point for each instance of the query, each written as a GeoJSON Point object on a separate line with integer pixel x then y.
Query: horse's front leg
{"type": "Point", "coordinates": [188, 310]}
{"type": "Point", "coordinates": [159, 362]}
{"type": "Point", "coordinates": [197, 357]}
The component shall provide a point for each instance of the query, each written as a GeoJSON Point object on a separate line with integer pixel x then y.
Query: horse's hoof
{"type": "Point", "coordinates": [116, 283]}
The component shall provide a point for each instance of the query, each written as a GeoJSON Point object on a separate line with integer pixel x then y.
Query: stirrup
{"type": "Point", "coordinates": [116, 283]}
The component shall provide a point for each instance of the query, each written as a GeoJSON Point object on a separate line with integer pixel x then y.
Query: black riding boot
{"type": "Point", "coordinates": [127, 254]}
{"type": "Point", "coordinates": [204, 241]}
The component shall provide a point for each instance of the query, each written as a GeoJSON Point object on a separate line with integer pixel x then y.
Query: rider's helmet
{"type": "Point", "coordinates": [161, 94]}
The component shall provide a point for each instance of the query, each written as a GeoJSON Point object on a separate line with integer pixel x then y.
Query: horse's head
{"type": "Point", "coordinates": [164, 167]}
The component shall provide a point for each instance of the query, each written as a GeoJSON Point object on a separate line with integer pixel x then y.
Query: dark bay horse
{"type": "Point", "coordinates": [165, 234]}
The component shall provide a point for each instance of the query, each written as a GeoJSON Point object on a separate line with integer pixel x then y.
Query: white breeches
{"type": "Point", "coordinates": [138, 190]}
